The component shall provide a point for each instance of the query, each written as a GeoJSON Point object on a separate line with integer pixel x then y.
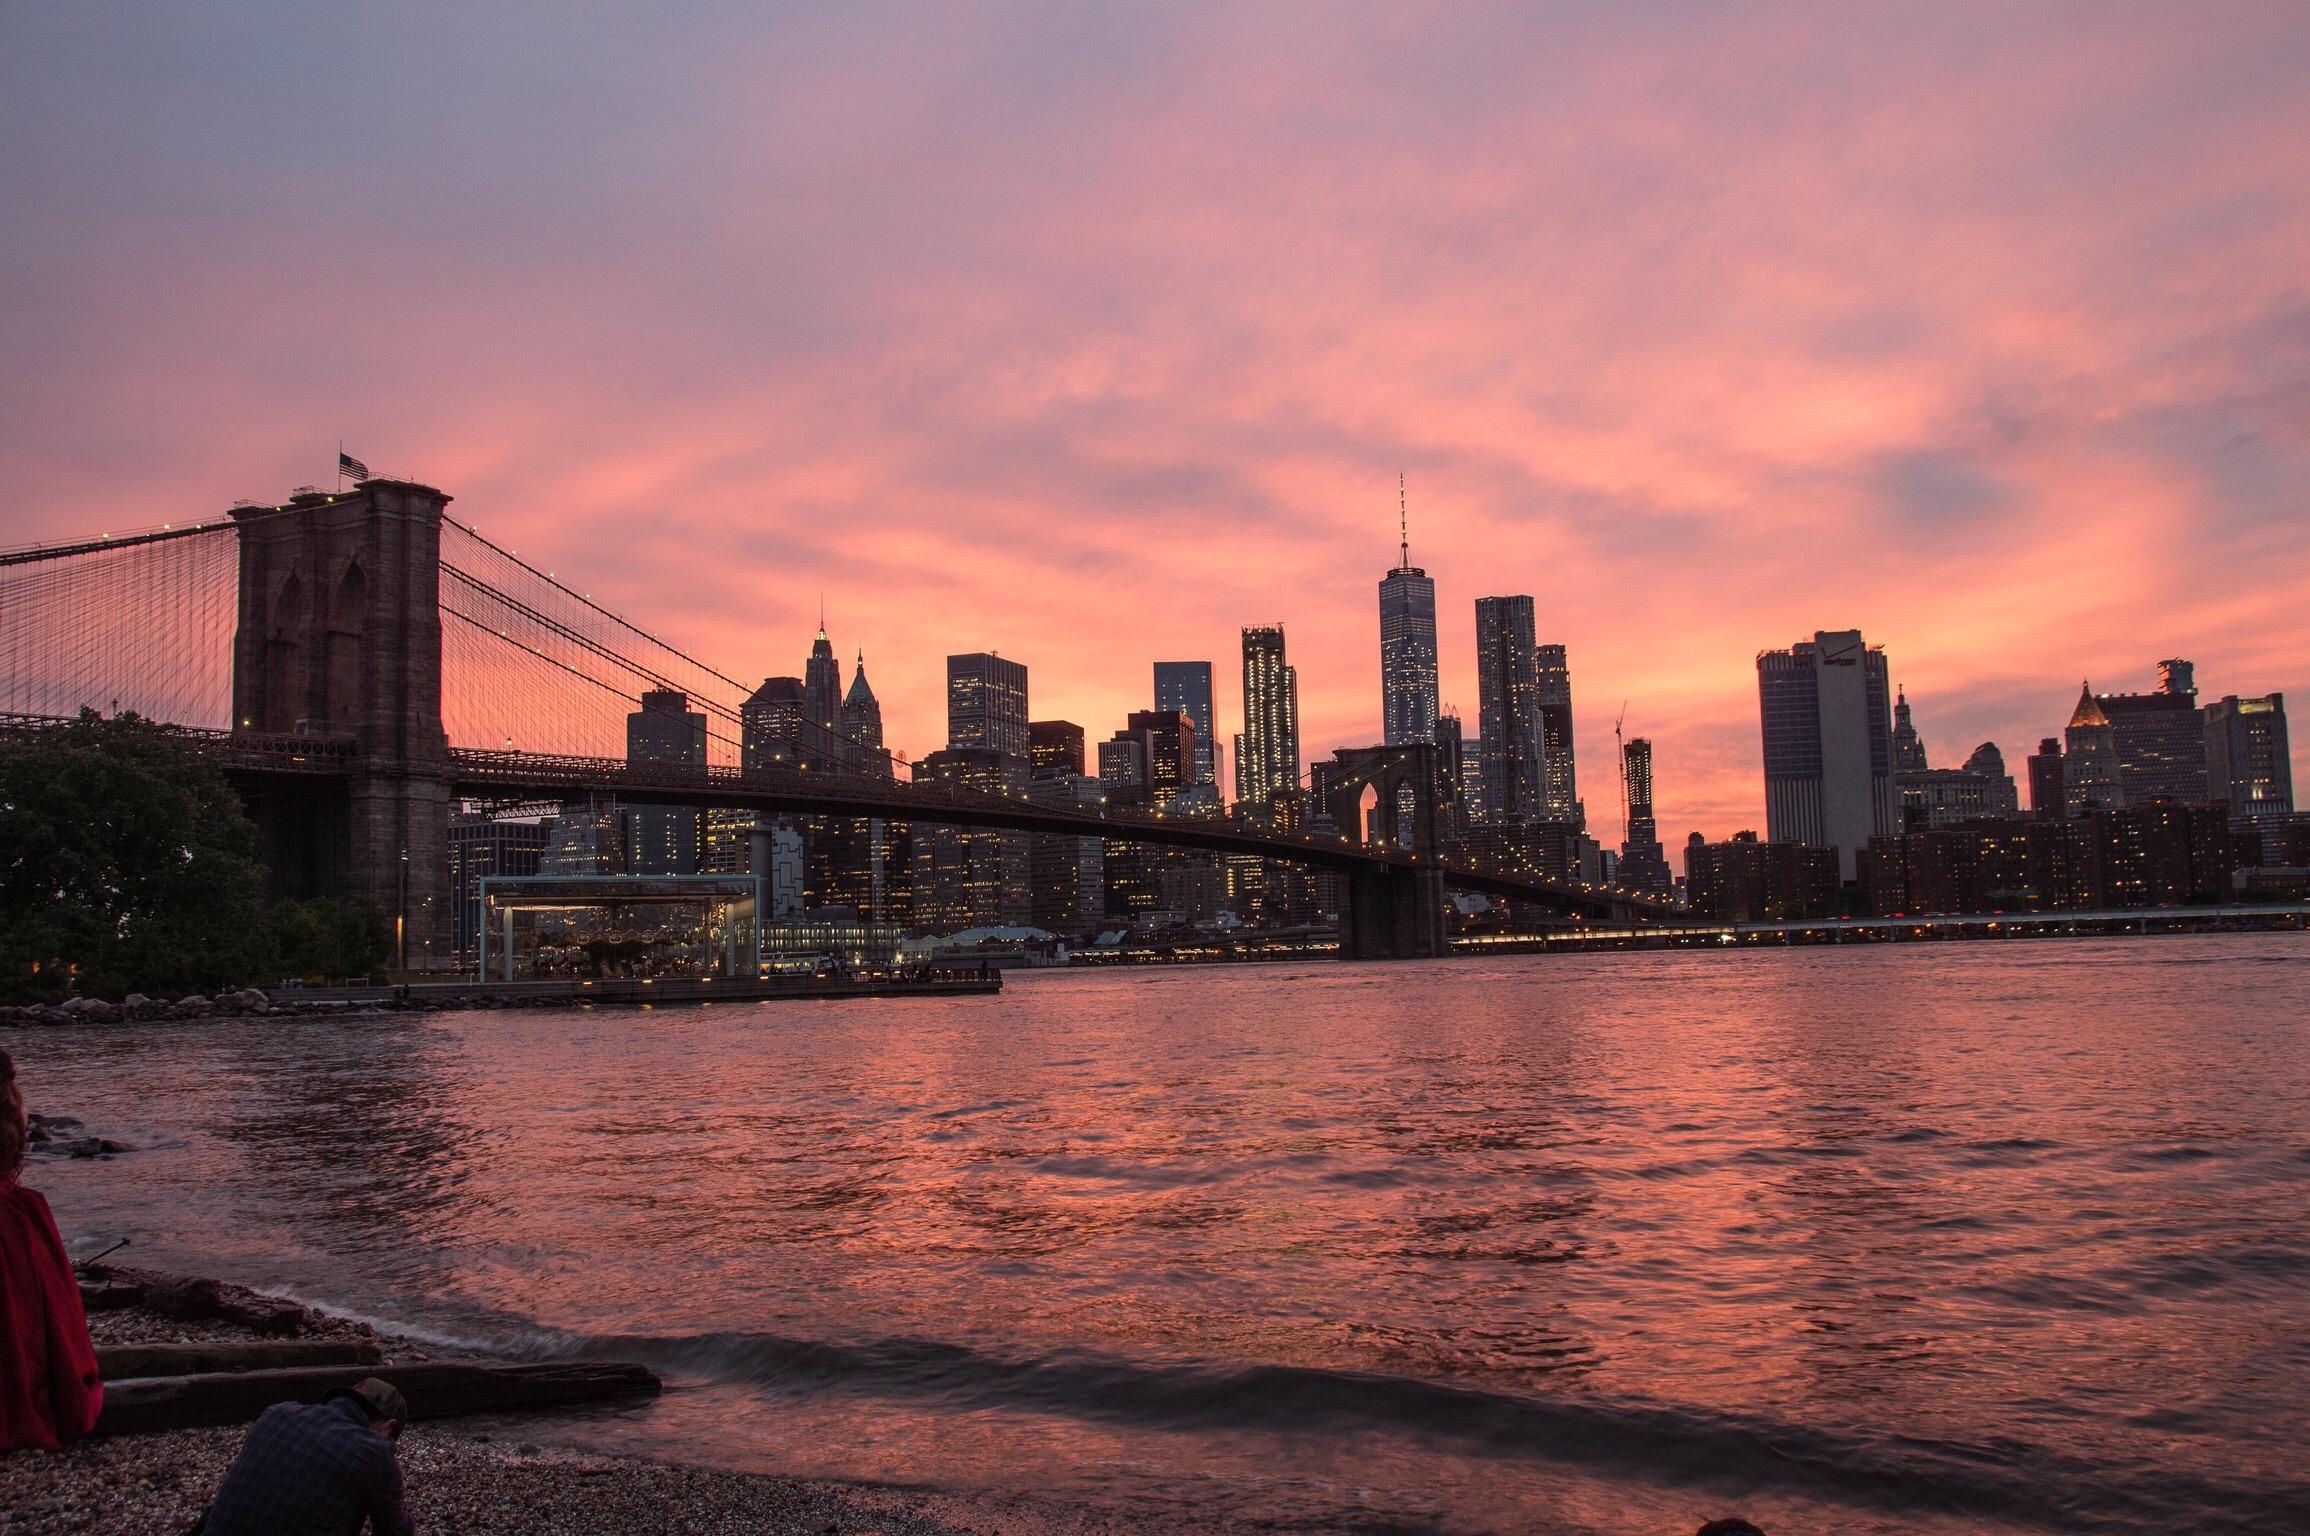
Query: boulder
{"type": "Point", "coordinates": [77, 1006]}
{"type": "Point", "coordinates": [89, 1146]}
{"type": "Point", "coordinates": [250, 997]}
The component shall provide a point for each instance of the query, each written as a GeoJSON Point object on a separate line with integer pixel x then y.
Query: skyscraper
{"type": "Point", "coordinates": [1508, 711]}
{"type": "Point", "coordinates": [2048, 801]}
{"type": "Point", "coordinates": [1407, 645]}
{"type": "Point", "coordinates": [665, 730]}
{"type": "Point", "coordinates": [986, 703]}
{"type": "Point", "coordinates": [1185, 687]}
{"type": "Point", "coordinates": [2089, 762]}
{"type": "Point", "coordinates": [1828, 744]}
{"type": "Point", "coordinates": [2247, 762]}
{"type": "Point", "coordinates": [1054, 748]}
{"type": "Point", "coordinates": [2160, 738]}
{"type": "Point", "coordinates": [1643, 866]}
{"type": "Point", "coordinates": [1171, 741]}
{"type": "Point", "coordinates": [822, 682]}
{"type": "Point", "coordinates": [1066, 875]}
{"type": "Point", "coordinates": [971, 877]}
{"type": "Point", "coordinates": [771, 722]}
{"type": "Point", "coordinates": [862, 714]}
{"type": "Point", "coordinates": [1908, 750]}
{"type": "Point", "coordinates": [1267, 753]}
{"type": "Point", "coordinates": [1452, 771]}
{"type": "Point", "coordinates": [1560, 781]}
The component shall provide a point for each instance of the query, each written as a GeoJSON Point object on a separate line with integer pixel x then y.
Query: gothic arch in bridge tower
{"type": "Point", "coordinates": [284, 654]}
{"type": "Point", "coordinates": [342, 644]}
{"type": "Point", "coordinates": [1386, 797]}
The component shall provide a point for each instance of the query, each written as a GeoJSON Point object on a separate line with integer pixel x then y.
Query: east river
{"type": "Point", "coordinates": [1902, 1238]}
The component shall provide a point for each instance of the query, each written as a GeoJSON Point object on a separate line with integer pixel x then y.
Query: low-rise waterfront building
{"type": "Point", "coordinates": [1744, 880]}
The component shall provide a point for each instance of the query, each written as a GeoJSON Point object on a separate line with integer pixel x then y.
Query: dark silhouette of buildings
{"type": "Point", "coordinates": [1742, 880]}
{"type": "Point", "coordinates": [822, 683]}
{"type": "Point", "coordinates": [2160, 854]}
{"type": "Point", "coordinates": [2089, 760]}
{"type": "Point", "coordinates": [1054, 747]}
{"type": "Point", "coordinates": [1185, 687]}
{"type": "Point", "coordinates": [2248, 766]}
{"type": "Point", "coordinates": [2159, 739]}
{"type": "Point", "coordinates": [664, 838]}
{"type": "Point", "coordinates": [1407, 648]}
{"type": "Point", "coordinates": [862, 714]}
{"type": "Point", "coordinates": [1908, 749]}
{"type": "Point", "coordinates": [986, 704]}
{"type": "Point", "coordinates": [971, 877]}
{"type": "Point", "coordinates": [1508, 704]}
{"type": "Point", "coordinates": [1559, 773]}
{"type": "Point", "coordinates": [1643, 866]}
{"type": "Point", "coordinates": [1827, 744]}
{"type": "Point", "coordinates": [1267, 753]}
{"type": "Point", "coordinates": [2048, 798]}
{"type": "Point", "coordinates": [483, 847]}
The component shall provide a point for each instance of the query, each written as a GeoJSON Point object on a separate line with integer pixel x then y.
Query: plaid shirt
{"type": "Point", "coordinates": [311, 1470]}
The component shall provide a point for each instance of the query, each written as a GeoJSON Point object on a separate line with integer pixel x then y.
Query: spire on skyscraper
{"type": "Point", "coordinates": [1403, 525]}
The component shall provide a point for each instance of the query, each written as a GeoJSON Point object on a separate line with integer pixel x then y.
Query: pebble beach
{"type": "Point", "coordinates": [460, 1482]}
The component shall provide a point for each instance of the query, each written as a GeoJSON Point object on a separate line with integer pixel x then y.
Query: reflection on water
{"type": "Point", "coordinates": [1908, 1238]}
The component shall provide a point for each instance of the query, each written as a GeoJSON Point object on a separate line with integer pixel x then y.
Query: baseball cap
{"type": "Point", "coordinates": [381, 1398]}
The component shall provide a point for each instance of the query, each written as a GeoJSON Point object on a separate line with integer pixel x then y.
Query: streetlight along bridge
{"type": "Point", "coordinates": [360, 661]}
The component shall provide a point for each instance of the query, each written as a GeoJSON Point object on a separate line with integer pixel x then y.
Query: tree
{"type": "Point", "coordinates": [329, 940]}
{"type": "Point", "coordinates": [126, 863]}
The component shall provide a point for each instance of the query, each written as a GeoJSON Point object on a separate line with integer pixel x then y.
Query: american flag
{"type": "Point", "coordinates": [348, 465]}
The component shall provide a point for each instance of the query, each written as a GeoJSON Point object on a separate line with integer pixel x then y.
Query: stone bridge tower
{"type": "Point", "coordinates": [339, 641]}
{"type": "Point", "coordinates": [1391, 913]}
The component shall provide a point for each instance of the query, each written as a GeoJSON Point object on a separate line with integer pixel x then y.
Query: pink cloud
{"type": "Point", "coordinates": [1093, 341]}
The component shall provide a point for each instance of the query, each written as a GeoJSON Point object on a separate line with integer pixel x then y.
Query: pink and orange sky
{"type": "Point", "coordinates": [1091, 334]}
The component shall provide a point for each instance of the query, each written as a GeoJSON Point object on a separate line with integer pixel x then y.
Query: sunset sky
{"type": "Point", "coordinates": [1092, 333]}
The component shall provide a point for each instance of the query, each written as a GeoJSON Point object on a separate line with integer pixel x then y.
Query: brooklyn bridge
{"type": "Point", "coordinates": [360, 663]}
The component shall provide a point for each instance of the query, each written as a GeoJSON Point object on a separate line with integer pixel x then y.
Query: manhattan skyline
{"type": "Point", "coordinates": [1008, 334]}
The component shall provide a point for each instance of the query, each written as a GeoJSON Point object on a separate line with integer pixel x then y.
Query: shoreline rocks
{"type": "Point", "coordinates": [484, 1480]}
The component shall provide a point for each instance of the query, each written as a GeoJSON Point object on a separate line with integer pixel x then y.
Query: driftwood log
{"type": "Point", "coordinates": [110, 1287]}
{"type": "Point", "coordinates": [435, 1390]}
{"type": "Point", "coordinates": [119, 1362]}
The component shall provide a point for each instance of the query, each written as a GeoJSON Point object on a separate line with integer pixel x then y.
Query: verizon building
{"type": "Point", "coordinates": [1828, 739]}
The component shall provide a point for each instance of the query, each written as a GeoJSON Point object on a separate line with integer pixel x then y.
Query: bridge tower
{"type": "Point", "coordinates": [1390, 913]}
{"type": "Point", "coordinates": [339, 641]}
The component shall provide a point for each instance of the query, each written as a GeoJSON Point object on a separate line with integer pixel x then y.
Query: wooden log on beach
{"type": "Point", "coordinates": [107, 1287]}
{"type": "Point", "coordinates": [119, 1362]}
{"type": "Point", "coordinates": [435, 1390]}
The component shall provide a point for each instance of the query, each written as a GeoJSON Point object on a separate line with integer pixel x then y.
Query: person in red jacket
{"type": "Point", "coordinates": [49, 1389]}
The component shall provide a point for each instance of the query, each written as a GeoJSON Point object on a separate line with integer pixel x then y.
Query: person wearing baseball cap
{"type": "Point", "coordinates": [318, 1469]}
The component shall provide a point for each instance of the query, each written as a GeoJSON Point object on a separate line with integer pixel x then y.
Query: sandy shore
{"type": "Point", "coordinates": [485, 1484]}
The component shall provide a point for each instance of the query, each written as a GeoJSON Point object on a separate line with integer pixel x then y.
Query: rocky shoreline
{"type": "Point", "coordinates": [136, 1008]}
{"type": "Point", "coordinates": [466, 1482]}
{"type": "Point", "coordinates": [250, 1002]}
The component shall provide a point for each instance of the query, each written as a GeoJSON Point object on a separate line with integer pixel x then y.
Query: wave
{"type": "Point", "coordinates": [2008, 1480]}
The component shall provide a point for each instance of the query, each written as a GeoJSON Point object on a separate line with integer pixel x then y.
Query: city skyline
{"type": "Point", "coordinates": [2042, 402]}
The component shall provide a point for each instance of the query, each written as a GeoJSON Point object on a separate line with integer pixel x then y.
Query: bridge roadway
{"type": "Point", "coordinates": [530, 777]}
{"type": "Point", "coordinates": [521, 776]}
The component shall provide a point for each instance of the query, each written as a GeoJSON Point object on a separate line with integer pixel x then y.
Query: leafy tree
{"type": "Point", "coordinates": [329, 941]}
{"type": "Point", "coordinates": [126, 863]}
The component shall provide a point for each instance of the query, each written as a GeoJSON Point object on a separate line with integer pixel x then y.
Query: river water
{"type": "Point", "coordinates": [1907, 1238]}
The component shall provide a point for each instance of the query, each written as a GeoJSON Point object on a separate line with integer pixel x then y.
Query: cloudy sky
{"type": "Point", "coordinates": [1090, 334]}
